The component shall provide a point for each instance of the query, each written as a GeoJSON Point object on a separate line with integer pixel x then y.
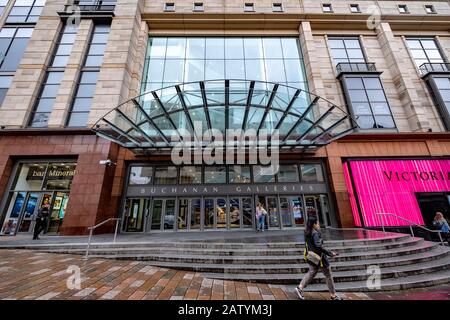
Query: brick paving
{"type": "Point", "coordinates": [43, 276]}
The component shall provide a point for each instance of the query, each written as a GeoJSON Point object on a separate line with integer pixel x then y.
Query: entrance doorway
{"type": "Point", "coordinates": [135, 212]}
{"type": "Point", "coordinates": [430, 203]}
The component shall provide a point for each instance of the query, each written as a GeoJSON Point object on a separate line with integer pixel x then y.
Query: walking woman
{"type": "Point", "coordinates": [316, 256]}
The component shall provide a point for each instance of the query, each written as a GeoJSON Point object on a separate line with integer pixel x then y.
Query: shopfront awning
{"type": "Point", "coordinates": [186, 113]}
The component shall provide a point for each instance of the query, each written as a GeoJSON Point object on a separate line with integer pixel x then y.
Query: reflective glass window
{"type": "Point", "coordinates": [311, 173]}
{"type": "Point", "coordinates": [140, 175]}
{"type": "Point", "coordinates": [166, 175]}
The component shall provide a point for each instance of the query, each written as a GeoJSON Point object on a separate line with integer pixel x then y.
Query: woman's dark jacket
{"type": "Point", "coordinates": [315, 244]}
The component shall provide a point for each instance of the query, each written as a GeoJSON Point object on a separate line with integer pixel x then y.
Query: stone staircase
{"type": "Point", "coordinates": [405, 262]}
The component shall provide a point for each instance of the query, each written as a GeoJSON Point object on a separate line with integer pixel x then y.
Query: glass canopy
{"type": "Point", "coordinates": [187, 112]}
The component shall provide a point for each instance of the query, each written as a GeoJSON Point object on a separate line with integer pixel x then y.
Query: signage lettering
{"type": "Point", "coordinates": [417, 175]}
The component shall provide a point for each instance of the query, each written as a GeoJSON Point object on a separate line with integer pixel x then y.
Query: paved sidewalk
{"type": "Point", "coordinates": [28, 274]}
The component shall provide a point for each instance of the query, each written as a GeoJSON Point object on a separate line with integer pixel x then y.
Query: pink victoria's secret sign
{"type": "Point", "coordinates": [389, 186]}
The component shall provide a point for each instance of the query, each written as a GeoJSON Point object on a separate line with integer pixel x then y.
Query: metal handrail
{"type": "Point", "coordinates": [411, 223]}
{"type": "Point", "coordinates": [91, 230]}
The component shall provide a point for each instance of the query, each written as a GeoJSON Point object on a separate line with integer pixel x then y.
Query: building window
{"type": "Point", "coordinates": [326, 7]}
{"type": "Point", "coordinates": [5, 83]}
{"type": "Point", "coordinates": [368, 102]}
{"type": "Point", "coordinates": [34, 185]}
{"type": "Point", "coordinates": [190, 175]}
{"type": "Point", "coordinates": [140, 175]}
{"type": "Point", "coordinates": [81, 105]}
{"type": "Point", "coordinates": [403, 8]}
{"type": "Point", "coordinates": [288, 173]}
{"type": "Point", "coordinates": [277, 7]}
{"type": "Point", "coordinates": [263, 174]}
{"type": "Point", "coordinates": [166, 175]}
{"type": "Point", "coordinates": [424, 50]}
{"type": "Point", "coordinates": [169, 7]}
{"type": "Point", "coordinates": [64, 46]}
{"type": "Point", "coordinates": [198, 7]}
{"type": "Point", "coordinates": [49, 91]}
{"type": "Point", "coordinates": [249, 7]}
{"type": "Point", "coordinates": [25, 11]}
{"type": "Point", "coordinates": [3, 4]}
{"type": "Point", "coordinates": [440, 88]}
{"type": "Point", "coordinates": [13, 42]}
{"type": "Point", "coordinates": [354, 8]}
{"type": "Point", "coordinates": [239, 174]}
{"type": "Point", "coordinates": [346, 50]}
{"type": "Point", "coordinates": [175, 60]}
{"type": "Point", "coordinates": [46, 100]}
{"type": "Point", "coordinates": [215, 175]}
{"type": "Point", "coordinates": [429, 8]}
{"type": "Point", "coordinates": [311, 173]}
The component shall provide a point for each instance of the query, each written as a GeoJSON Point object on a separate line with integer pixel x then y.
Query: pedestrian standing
{"type": "Point", "coordinates": [316, 257]}
{"type": "Point", "coordinates": [260, 217]}
{"type": "Point", "coordinates": [41, 220]}
{"type": "Point", "coordinates": [441, 224]}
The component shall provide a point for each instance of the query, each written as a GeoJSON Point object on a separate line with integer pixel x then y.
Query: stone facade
{"type": "Point", "coordinates": [97, 190]}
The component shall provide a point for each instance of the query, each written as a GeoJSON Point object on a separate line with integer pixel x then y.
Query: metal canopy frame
{"type": "Point", "coordinates": [313, 121]}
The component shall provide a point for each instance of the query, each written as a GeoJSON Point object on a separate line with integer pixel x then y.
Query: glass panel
{"type": "Point", "coordinates": [166, 175]}
{"type": "Point", "coordinates": [312, 207]}
{"type": "Point", "coordinates": [30, 176]}
{"type": "Point", "coordinates": [365, 122]}
{"type": "Point", "coordinates": [221, 212]}
{"type": "Point", "coordinates": [176, 48]}
{"type": "Point", "coordinates": [311, 173]}
{"type": "Point", "coordinates": [209, 213]}
{"type": "Point", "coordinates": [253, 48]}
{"type": "Point", "coordinates": [255, 70]}
{"type": "Point", "coordinates": [234, 48]}
{"type": "Point", "coordinates": [235, 213]}
{"type": "Point", "coordinates": [169, 215]}
{"type": "Point", "coordinates": [183, 207]}
{"type": "Point", "coordinates": [190, 175]}
{"type": "Point", "coordinates": [298, 210]}
{"type": "Point", "coordinates": [156, 214]}
{"type": "Point", "coordinates": [215, 174]}
{"type": "Point", "coordinates": [30, 209]}
{"type": "Point", "coordinates": [234, 69]}
{"type": "Point", "coordinates": [288, 173]}
{"type": "Point", "coordinates": [239, 174]}
{"type": "Point", "coordinates": [272, 48]}
{"type": "Point", "coordinates": [141, 175]}
{"type": "Point", "coordinates": [214, 70]}
{"type": "Point", "coordinates": [385, 122]}
{"type": "Point", "coordinates": [263, 174]}
{"type": "Point", "coordinates": [59, 176]}
{"type": "Point", "coordinates": [195, 213]}
{"type": "Point", "coordinates": [294, 71]}
{"type": "Point", "coordinates": [285, 210]}
{"type": "Point", "coordinates": [78, 119]}
{"type": "Point", "coordinates": [173, 71]}
{"type": "Point", "coordinates": [215, 48]}
{"type": "Point", "coordinates": [247, 210]}
{"type": "Point", "coordinates": [134, 215]}
{"type": "Point", "coordinates": [290, 48]}
{"type": "Point", "coordinates": [275, 71]}
{"type": "Point", "coordinates": [194, 70]}
{"type": "Point", "coordinates": [195, 48]}
{"type": "Point", "coordinates": [272, 209]}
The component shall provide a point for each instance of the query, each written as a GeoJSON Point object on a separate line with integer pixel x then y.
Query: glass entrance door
{"type": "Point", "coordinates": [210, 213]}
{"type": "Point", "coordinates": [58, 210]}
{"type": "Point", "coordinates": [221, 213]}
{"type": "Point", "coordinates": [169, 214]}
{"type": "Point", "coordinates": [286, 212]}
{"type": "Point", "coordinates": [313, 208]}
{"type": "Point", "coordinates": [273, 213]}
{"type": "Point", "coordinates": [247, 213]}
{"type": "Point", "coordinates": [235, 213]}
{"type": "Point", "coordinates": [135, 214]}
{"type": "Point", "coordinates": [196, 213]}
{"type": "Point", "coordinates": [33, 202]}
{"type": "Point", "coordinates": [156, 214]}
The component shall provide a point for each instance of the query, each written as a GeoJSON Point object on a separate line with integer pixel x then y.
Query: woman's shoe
{"type": "Point", "coordinates": [299, 293]}
{"type": "Point", "coordinates": [336, 298]}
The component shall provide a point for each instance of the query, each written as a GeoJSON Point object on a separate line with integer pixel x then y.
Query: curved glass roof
{"type": "Point", "coordinates": [183, 113]}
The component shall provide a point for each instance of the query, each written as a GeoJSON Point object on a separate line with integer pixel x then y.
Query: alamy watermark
{"type": "Point", "coordinates": [374, 280]}
{"type": "Point", "coordinates": [234, 146]}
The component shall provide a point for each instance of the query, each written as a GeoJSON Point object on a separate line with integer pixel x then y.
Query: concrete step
{"type": "Point", "coordinates": [296, 275]}
{"type": "Point", "coordinates": [265, 259]}
{"type": "Point", "coordinates": [249, 250]}
{"type": "Point", "coordinates": [301, 267]}
{"type": "Point", "coordinates": [390, 238]}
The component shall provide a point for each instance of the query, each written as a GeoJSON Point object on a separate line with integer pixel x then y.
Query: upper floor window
{"type": "Point", "coordinates": [25, 11]}
{"type": "Point", "coordinates": [198, 6]}
{"type": "Point", "coordinates": [368, 102]}
{"type": "Point", "coordinates": [429, 8]}
{"type": "Point", "coordinates": [403, 8]}
{"type": "Point", "coordinates": [13, 42]}
{"type": "Point", "coordinates": [354, 8]}
{"type": "Point", "coordinates": [277, 7]}
{"type": "Point", "coordinates": [5, 83]}
{"type": "Point", "coordinates": [169, 6]}
{"type": "Point", "coordinates": [424, 50]}
{"type": "Point", "coordinates": [326, 7]}
{"type": "Point", "coordinates": [249, 7]}
{"type": "Point", "coordinates": [64, 46]}
{"type": "Point", "coordinates": [346, 49]}
{"type": "Point", "coordinates": [3, 4]}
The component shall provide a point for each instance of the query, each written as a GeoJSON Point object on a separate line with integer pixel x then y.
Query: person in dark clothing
{"type": "Point", "coordinates": [41, 221]}
{"type": "Point", "coordinates": [314, 243]}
